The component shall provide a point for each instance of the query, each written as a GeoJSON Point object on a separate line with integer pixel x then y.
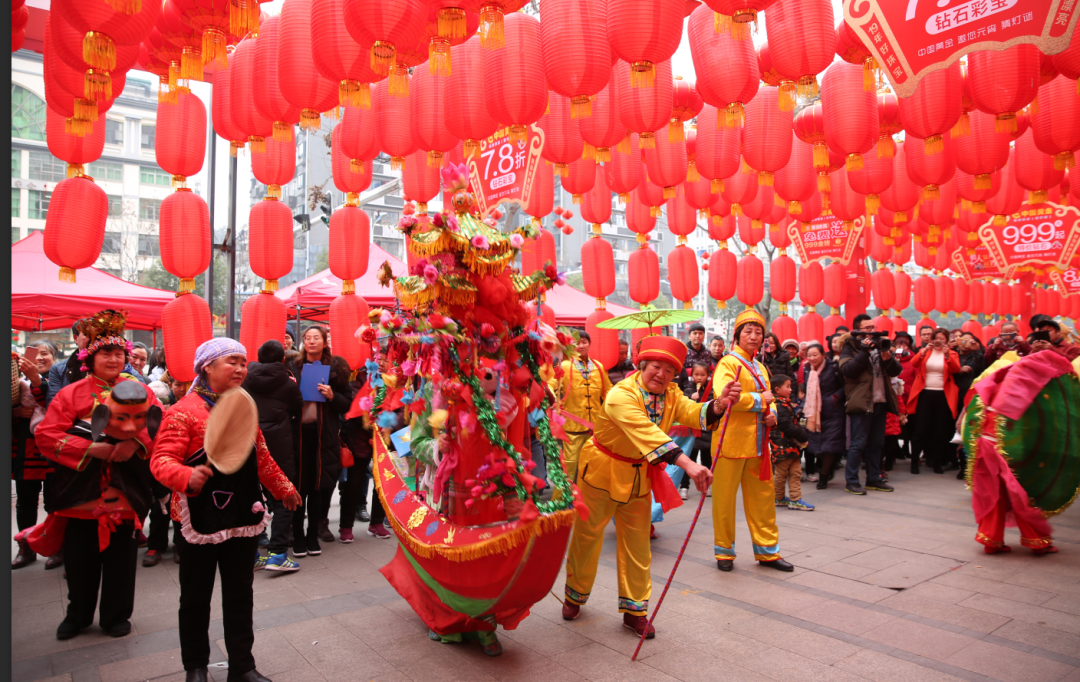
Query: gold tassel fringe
{"type": "Point", "coordinates": [931, 192]}
{"type": "Point", "coordinates": [310, 119]}
{"type": "Point", "coordinates": [983, 181]}
{"type": "Point", "coordinates": [1064, 160]}
{"type": "Point", "coordinates": [716, 186]}
{"type": "Point", "coordinates": [382, 57]}
{"type": "Point", "coordinates": [214, 44]}
{"type": "Point", "coordinates": [397, 163]}
{"type": "Point", "coordinates": [962, 127]}
{"type": "Point", "coordinates": [125, 6]}
{"type": "Point", "coordinates": [354, 94]}
{"type": "Point", "coordinates": [472, 147]}
{"type": "Point", "coordinates": [647, 141]}
{"type": "Point", "coordinates": [788, 93]}
{"type": "Point", "coordinates": [191, 64]}
{"type": "Point", "coordinates": [452, 24]}
{"type": "Point", "coordinates": [885, 147]}
{"type": "Point", "coordinates": [492, 35]}
{"type": "Point", "coordinates": [99, 51]}
{"type": "Point", "coordinates": [675, 132]}
{"type": "Point", "coordinates": [1005, 122]}
{"type": "Point", "coordinates": [933, 145]}
{"type": "Point", "coordinates": [854, 162]}
{"type": "Point", "coordinates": [97, 85]}
{"type": "Point", "coordinates": [283, 132]}
{"type": "Point", "coordinates": [765, 178]}
{"type": "Point", "coordinates": [257, 144]}
{"type": "Point", "coordinates": [642, 75]}
{"type": "Point", "coordinates": [821, 155]}
{"type": "Point", "coordinates": [624, 145]}
{"type": "Point", "coordinates": [581, 107]}
{"type": "Point", "coordinates": [434, 159]}
{"type": "Point", "coordinates": [824, 184]}
{"type": "Point", "coordinates": [692, 173]}
{"type": "Point", "coordinates": [399, 80]}
{"type": "Point", "coordinates": [439, 62]}
{"type": "Point", "coordinates": [873, 203]}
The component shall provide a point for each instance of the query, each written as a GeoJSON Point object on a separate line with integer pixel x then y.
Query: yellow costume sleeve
{"type": "Point", "coordinates": [690, 412]}
{"type": "Point", "coordinates": [750, 399]}
{"type": "Point", "coordinates": [626, 410]}
{"type": "Point", "coordinates": [605, 380]}
{"type": "Point", "coordinates": [557, 386]}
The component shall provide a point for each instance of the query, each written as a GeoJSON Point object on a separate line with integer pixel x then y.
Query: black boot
{"type": "Point", "coordinates": [914, 465]}
{"type": "Point", "coordinates": [197, 675]}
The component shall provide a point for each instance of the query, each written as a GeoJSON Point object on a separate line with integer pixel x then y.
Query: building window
{"type": "Point", "coordinates": [39, 204]}
{"type": "Point", "coordinates": [27, 114]}
{"type": "Point", "coordinates": [112, 243]}
{"type": "Point", "coordinates": [107, 170]}
{"type": "Point", "coordinates": [16, 202]}
{"type": "Point", "coordinates": [154, 176]}
{"type": "Point", "coordinates": [149, 209]}
{"type": "Point", "coordinates": [45, 166]}
{"type": "Point", "coordinates": [148, 135]}
{"type": "Point", "coordinates": [16, 163]}
{"type": "Point", "coordinates": [14, 235]}
{"type": "Point", "coordinates": [114, 132]}
{"type": "Point", "coordinates": [148, 245]}
{"type": "Point", "coordinates": [116, 206]}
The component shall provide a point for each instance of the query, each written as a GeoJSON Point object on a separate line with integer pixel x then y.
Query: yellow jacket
{"type": "Point", "coordinates": [746, 427]}
{"type": "Point", "coordinates": [623, 427]}
{"type": "Point", "coordinates": [581, 398]}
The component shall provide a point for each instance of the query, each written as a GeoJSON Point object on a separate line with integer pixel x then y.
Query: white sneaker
{"type": "Point", "coordinates": [684, 493]}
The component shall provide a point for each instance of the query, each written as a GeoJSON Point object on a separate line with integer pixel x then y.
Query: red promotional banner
{"type": "Point", "coordinates": [505, 171]}
{"type": "Point", "coordinates": [825, 238]}
{"type": "Point", "coordinates": [1066, 281]}
{"type": "Point", "coordinates": [1036, 235]}
{"type": "Point", "coordinates": [978, 265]}
{"type": "Point", "coordinates": [911, 38]}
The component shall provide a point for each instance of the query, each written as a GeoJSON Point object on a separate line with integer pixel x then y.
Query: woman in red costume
{"type": "Point", "coordinates": [95, 430]}
{"type": "Point", "coordinates": [222, 524]}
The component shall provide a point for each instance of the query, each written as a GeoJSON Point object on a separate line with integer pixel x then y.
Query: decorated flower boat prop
{"type": "Point", "coordinates": [463, 362]}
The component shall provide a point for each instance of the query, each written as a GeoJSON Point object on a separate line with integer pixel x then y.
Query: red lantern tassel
{"type": "Point", "coordinates": [214, 42]}
{"type": "Point", "coordinates": [978, 207]}
{"type": "Point", "coordinates": [235, 147]}
{"type": "Point", "coordinates": [1005, 122]}
{"type": "Point", "coordinates": [670, 192]}
{"type": "Point", "coordinates": [243, 17]}
{"type": "Point", "coordinates": [624, 145]}
{"type": "Point", "coordinates": [125, 6]}
{"type": "Point", "coordinates": [765, 178]}
{"type": "Point", "coordinates": [692, 173]}
{"type": "Point", "coordinates": [397, 163]}
{"type": "Point", "coordinates": [1037, 197]}
{"type": "Point", "coordinates": [580, 106]}
{"type": "Point", "coordinates": [741, 22]}
{"type": "Point", "coordinates": [179, 182]}
{"type": "Point", "coordinates": [734, 116]}
{"type": "Point", "coordinates": [439, 57]}
{"type": "Point", "coordinates": [794, 207]}
{"type": "Point", "coordinates": [716, 186]}
{"type": "Point", "coordinates": [86, 110]}
{"type": "Point", "coordinates": [472, 148]}
{"type": "Point", "coordinates": [899, 217]}
{"type": "Point", "coordinates": [647, 141]}
{"type": "Point", "coordinates": [1064, 160]}
{"type": "Point", "coordinates": [451, 23]}
{"type": "Point", "coordinates": [824, 184]}
{"type": "Point", "coordinates": [283, 132]}
{"type": "Point", "coordinates": [67, 275]}
{"type": "Point", "coordinates": [492, 36]}
{"type": "Point", "coordinates": [825, 206]}
{"type": "Point", "coordinates": [821, 155]}
{"type": "Point", "coordinates": [675, 132]}
{"type": "Point", "coordinates": [399, 80]}
{"type": "Point", "coordinates": [257, 144]}
{"type": "Point", "coordinates": [273, 192]}
{"type": "Point", "coordinates": [931, 192]}
{"type": "Point", "coordinates": [854, 162]}
{"type": "Point", "coordinates": [191, 64]}
{"type": "Point", "coordinates": [382, 57]}
{"type": "Point", "coordinates": [869, 75]}
{"type": "Point", "coordinates": [808, 86]}
{"type": "Point", "coordinates": [934, 145]}
{"type": "Point", "coordinates": [577, 198]}
{"type": "Point", "coordinates": [1001, 220]}
{"type": "Point", "coordinates": [310, 119]}
{"type": "Point", "coordinates": [354, 94]}
{"type": "Point", "coordinates": [78, 127]}
{"type": "Point", "coordinates": [962, 127]}
{"type": "Point", "coordinates": [603, 155]}
{"type": "Point", "coordinates": [519, 133]}
{"type": "Point", "coordinates": [75, 170]}
{"type": "Point", "coordinates": [642, 75]}
{"type": "Point", "coordinates": [721, 23]}
{"type": "Point", "coordinates": [588, 152]}
{"type": "Point", "coordinates": [186, 284]}
{"type": "Point", "coordinates": [434, 159]}
{"type": "Point", "coordinates": [788, 92]}
{"type": "Point", "coordinates": [873, 203]}
{"type": "Point", "coordinates": [885, 147]}
{"type": "Point", "coordinates": [623, 198]}
{"type": "Point", "coordinates": [99, 51]}
{"type": "Point", "coordinates": [654, 211]}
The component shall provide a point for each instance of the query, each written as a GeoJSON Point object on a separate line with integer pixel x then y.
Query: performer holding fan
{"type": "Point", "coordinates": [204, 454]}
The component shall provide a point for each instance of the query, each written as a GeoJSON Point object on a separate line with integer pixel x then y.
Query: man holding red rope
{"type": "Point", "coordinates": [744, 455]}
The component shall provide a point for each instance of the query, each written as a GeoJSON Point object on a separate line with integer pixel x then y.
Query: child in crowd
{"type": "Point", "coordinates": [698, 387]}
{"type": "Point", "coordinates": [787, 439]}
{"type": "Point", "coordinates": [893, 426]}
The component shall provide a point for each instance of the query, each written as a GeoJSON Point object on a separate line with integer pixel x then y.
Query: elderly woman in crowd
{"type": "Point", "coordinates": [623, 463]}
{"type": "Point", "coordinates": [217, 537]}
{"type": "Point", "coordinates": [826, 417]}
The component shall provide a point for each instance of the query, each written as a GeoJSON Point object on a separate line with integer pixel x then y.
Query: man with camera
{"type": "Point", "coordinates": [1009, 339]}
{"type": "Point", "coordinates": [867, 363]}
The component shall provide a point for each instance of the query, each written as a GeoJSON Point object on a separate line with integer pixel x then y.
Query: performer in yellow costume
{"type": "Point", "coordinates": [744, 459]}
{"type": "Point", "coordinates": [582, 388]}
{"type": "Point", "coordinates": [623, 464]}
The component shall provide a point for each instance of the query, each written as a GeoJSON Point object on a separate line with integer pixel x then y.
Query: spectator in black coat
{"type": "Point", "coordinates": [825, 413]}
{"type": "Point", "coordinates": [356, 435]}
{"type": "Point", "coordinates": [277, 397]}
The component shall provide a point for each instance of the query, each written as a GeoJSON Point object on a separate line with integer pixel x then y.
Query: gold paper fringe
{"type": "Point", "coordinates": [397, 163]}
{"type": "Point", "coordinates": [642, 75]}
{"type": "Point", "coordinates": [348, 286]}
{"type": "Point", "coordinates": [983, 181]}
{"type": "Point", "coordinates": [581, 106]}
{"type": "Point", "coordinates": [179, 183]}
{"type": "Point", "coordinates": [978, 207]}
{"type": "Point", "coordinates": [624, 197]}
{"type": "Point", "coordinates": [439, 62]}
{"type": "Point", "coordinates": [899, 217]}
{"type": "Point", "coordinates": [765, 178]}
{"type": "Point", "coordinates": [933, 145]}
{"type": "Point", "coordinates": [86, 110]}
{"type": "Point", "coordinates": [519, 133]}
{"type": "Point", "coordinates": [741, 23]}
{"type": "Point", "coordinates": [310, 120]}
{"type": "Point", "coordinates": [399, 80]}
{"type": "Point", "coordinates": [826, 207]}
{"type": "Point", "coordinates": [97, 85]}
{"type": "Point", "coordinates": [716, 186]}
{"type": "Point", "coordinates": [869, 75]}
{"type": "Point", "coordinates": [647, 141]}
{"type": "Point", "coordinates": [873, 203]}
{"type": "Point", "coordinates": [794, 207]}
{"type": "Point", "coordinates": [273, 192]}
{"type": "Point", "coordinates": [452, 24]}
{"type": "Point", "coordinates": [962, 127]}
{"type": "Point", "coordinates": [382, 57]}
{"type": "Point", "coordinates": [434, 159]}
{"type": "Point", "coordinates": [214, 42]}
{"type": "Point", "coordinates": [588, 152]}
{"type": "Point", "coordinates": [1005, 122]}
{"type": "Point", "coordinates": [186, 284]}
{"type": "Point", "coordinates": [1064, 160]}
{"type": "Point", "coordinates": [788, 93]}
{"type": "Point", "coordinates": [354, 94]}
{"type": "Point", "coordinates": [670, 192]}
{"type": "Point", "coordinates": [577, 198]}
{"type": "Point", "coordinates": [257, 144]}
{"type": "Point", "coordinates": [562, 170]}
{"type": "Point", "coordinates": [721, 23]}
{"type": "Point", "coordinates": [492, 35]}
{"type": "Point", "coordinates": [99, 51]}
{"type": "Point", "coordinates": [675, 132]}
{"type": "Point", "coordinates": [75, 170]}
{"type": "Point", "coordinates": [243, 17]}
{"type": "Point", "coordinates": [931, 192]}
{"type": "Point", "coordinates": [808, 86]}
{"type": "Point", "coordinates": [824, 183]}
{"type": "Point", "coordinates": [125, 6]}
{"type": "Point", "coordinates": [854, 162]}
{"type": "Point", "coordinates": [885, 147]}
{"type": "Point", "coordinates": [655, 211]}
{"type": "Point", "coordinates": [821, 155]}
{"type": "Point", "coordinates": [603, 154]}
{"type": "Point", "coordinates": [734, 115]}
{"type": "Point", "coordinates": [283, 132]}
{"type": "Point", "coordinates": [472, 148]}
{"type": "Point", "coordinates": [624, 145]}
{"type": "Point", "coordinates": [191, 64]}
{"type": "Point", "coordinates": [692, 173]}
{"type": "Point", "coordinates": [235, 147]}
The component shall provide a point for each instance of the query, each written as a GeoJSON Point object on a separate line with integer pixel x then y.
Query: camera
{"type": "Point", "coordinates": [881, 339]}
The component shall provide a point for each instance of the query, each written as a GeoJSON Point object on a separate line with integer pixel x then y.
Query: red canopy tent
{"type": "Point", "coordinates": [311, 297]}
{"type": "Point", "coordinates": [572, 307]}
{"type": "Point", "coordinates": [40, 301]}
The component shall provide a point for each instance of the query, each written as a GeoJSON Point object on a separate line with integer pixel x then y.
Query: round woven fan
{"type": "Point", "coordinates": [230, 431]}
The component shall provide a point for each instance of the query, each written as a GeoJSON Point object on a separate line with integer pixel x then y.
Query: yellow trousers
{"type": "Point", "coordinates": [758, 504]}
{"type": "Point", "coordinates": [571, 452]}
{"type": "Point", "coordinates": [634, 557]}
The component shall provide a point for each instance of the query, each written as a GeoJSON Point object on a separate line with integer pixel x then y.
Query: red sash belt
{"type": "Point", "coordinates": [663, 489]}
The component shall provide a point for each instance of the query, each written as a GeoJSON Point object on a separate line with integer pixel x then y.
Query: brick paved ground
{"type": "Point", "coordinates": [888, 587]}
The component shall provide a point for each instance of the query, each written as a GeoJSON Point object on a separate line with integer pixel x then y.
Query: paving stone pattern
{"type": "Point", "coordinates": [887, 587]}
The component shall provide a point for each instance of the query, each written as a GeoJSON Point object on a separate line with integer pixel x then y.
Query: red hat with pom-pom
{"type": "Point", "coordinates": [664, 349]}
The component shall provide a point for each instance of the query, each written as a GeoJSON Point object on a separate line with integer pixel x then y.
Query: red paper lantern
{"type": "Point", "coordinates": [354, 176]}
{"type": "Point", "coordinates": [960, 294]}
{"type": "Point", "coordinates": [766, 140]}
{"type": "Point", "coordinates": [683, 273]}
{"type": "Point", "coordinates": [427, 96]}
{"type": "Point", "coordinates": [605, 342]}
{"type": "Point", "coordinates": [811, 284]}
{"type": "Point", "coordinates": [847, 204]}
{"type": "Point", "coordinates": [943, 294]}
{"type": "Point", "coordinates": [67, 42]}
{"type": "Point", "coordinates": [737, 15]}
{"type": "Point", "coordinates": [1004, 82]}
{"type": "Point", "coordinates": [598, 267]}
{"type": "Point", "coordinates": [835, 286]}
{"type": "Point", "coordinates": [623, 170]}
{"type": "Point", "coordinates": [740, 189]}
{"type": "Point", "coordinates": [268, 98]}
{"type": "Point", "coordinates": [1055, 125]}
{"type": "Point", "coordinates": [726, 68]}
{"type": "Point", "coordinates": [602, 129]}
{"type": "Point", "coordinates": [750, 285]}
{"type": "Point", "coordinates": [682, 217]}
{"type": "Point", "coordinates": [516, 86]}
{"type": "Point", "coordinates": [184, 237]}
{"type": "Point", "coordinates": [1011, 195]}
{"type": "Point", "coordinates": [299, 79]}
{"type": "Point", "coordinates": [976, 302]}
{"type": "Point", "coordinates": [107, 25]}
{"type": "Point", "coordinates": [576, 54]}
{"type": "Point", "coordinates": [562, 141]}
{"type": "Point", "coordinates": [360, 133]}
{"type": "Point", "coordinates": [811, 328]}
{"type": "Point", "coordinates": [644, 275]}
{"type": "Point", "coordinates": [751, 230]}
{"type": "Point", "coordinates": [810, 210]}
{"type": "Point", "coordinates": [387, 26]}
{"type": "Point", "coordinates": [395, 123]}
{"type": "Point", "coordinates": [262, 319]}
{"type": "Point", "coordinates": [699, 193]}
{"type": "Point", "coordinates": [809, 126]}
{"type": "Point", "coordinates": [925, 293]}
{"type": "Point", "coordinates": [221, 111]}
{"type": "Point", "coordinates": [852, 123]}
{"type": "Point", "coordinates": [276, 166]}
{"type": "Point", "coordinates": [1067, 62]}
{"type": "Point", "coordinates": [340, 58]}
{"type": "Point", "coordinates": [934, 108]}
{"type": "Point", "coordinates": [348, 313]}
{"type": "Point", "coordinates": [538, 252]}
{"type": "Point", "coordinates": [686, 104]}
{"type": "Point", "coordinates": [1035, 171]}
{"type": "Point", "coordinates": [350, 238]}
{"type": "Point", "coordinates": [782, 274]}
{"type": "Point", "coordinates": [968, 188]}
{"type": "Point", "coordinates": [420, 181]}
{"type": "Point", "coordinates": [643, 110]}
{"type": "Point", "coordinates": [180, 151]}
{"type": "Point", "coordinates": [466, 97]}
{"type": "Point", "coordinates": [723, 270]}
{"type": "Point", "coordinates": [185, 325]}
{"type": "Point", "coordinates": [596, 203]}
{"type": "Point", "coordinates": [639, 215]}
{"type": "Point", "coordinates": [784, 327]}
{"type": "Point", "coordinates": [75, 225]}
{"type": "Point", "coordinates": [802, 41]}
{"type": "Point", "coordinates": [642, 35]}
{"type": "Point", "coordinates": [984, 150]}
{"type": "Point", "coordinates": [930, 171]}
{"type": "Point", "coordinates": [665, 162]}
{"type": "Point", "coordinates": [242, 96]}
{"type": "Point", "coordinates": [580, 178]}
{"type": "Point", "coordinates": [542, 199]}
{"type": "Point", "coordinates": [797, 181]}
{"type": "Point", "coordinates": [875, 177]}
{"type": "Point", "coordinates": [889, 123]}
{"type": "Point", "coordinates": [717, 149]}
{"type": "Point", "coordinates": [883, 288]}
{"type": "Point", "coordinates": [270, 237]}
{"type": "Point", "coordinates": [73, 149]}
